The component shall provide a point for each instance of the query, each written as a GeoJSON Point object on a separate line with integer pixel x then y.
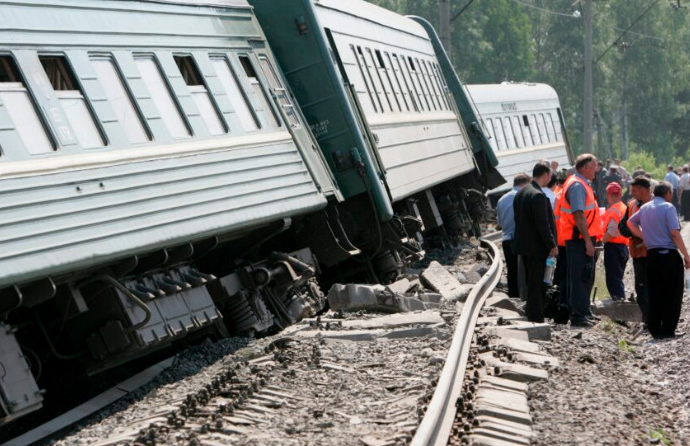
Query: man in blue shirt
{"type": "Point", "coordinates": [656, 223]}
{"type": "Point", "coordinates": [506, 220]}
{"type": "Point", "coordinates": [674, 181]}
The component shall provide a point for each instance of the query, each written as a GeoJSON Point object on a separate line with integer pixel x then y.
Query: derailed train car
{"type": "Point", "coordinates": [159, 181]}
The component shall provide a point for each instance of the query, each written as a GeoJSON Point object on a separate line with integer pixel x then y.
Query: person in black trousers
{"type": "Point", "coordinates": [535, 237]}
{"type": "Point", "coordinates": [656, 223]}
{"type": "Point", "coordinates": [506, 220]}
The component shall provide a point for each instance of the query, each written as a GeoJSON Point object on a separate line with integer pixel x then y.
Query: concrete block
{"type": "Point", "coordinates": [399, 287]}
{"type": "Point", "coordinates": [517, 346]}
{"type": "Point", "coordinates": [517, 372]}
{"type": "Point", "coordinates": [437, 278]}
{"type": "Point", "coordinates": [507, 333]}
{"type": "Point", "coordinates": [535, 331]}
{"type": "Point", "coordinates": [504, 414]}
{"type": "Point", "coordinates": [428, 317]}
{"type": "Point", "coordinates": [502, 383]}
{"type": "Point", "coordinates": [501, 436]}
{"type": "Point", "coordinates": [537, 359]}
{"type": "Point", "coordinates": [506, 424]}
{"type": "Point", "coordinates": [508, 400]}
{"type": "Point", "coordinates": [507, 428]}
{"type": "Point", "coordinates": [418, 332]}
{"type": "Point", "coordinates": [433, 298]}
{"type": "Point", "coordinates": [354, 297]}
{"type": "Point", "coordinates": [481, 440]}
{"type": "Point", "coordinates": [618, 311]}
{"type": "Point", "coordinates": [501, 300]}
{"type": "Point", "coordinates": [341, 335]}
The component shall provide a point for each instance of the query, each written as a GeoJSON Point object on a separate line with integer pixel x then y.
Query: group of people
{"type": "Point", "coordinates": [560, 217]}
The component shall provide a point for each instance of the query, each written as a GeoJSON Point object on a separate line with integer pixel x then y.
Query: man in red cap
{"type": "Point", "coordinates": [615, 245]}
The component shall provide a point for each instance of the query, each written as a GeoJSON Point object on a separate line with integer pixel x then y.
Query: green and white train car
{"type": "Point", "coordinates": [139, 141]}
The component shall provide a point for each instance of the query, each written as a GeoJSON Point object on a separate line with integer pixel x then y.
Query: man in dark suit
{"type": "Point", "coordinates": [535, 237]}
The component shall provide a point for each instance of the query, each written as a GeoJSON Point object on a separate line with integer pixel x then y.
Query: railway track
{"type": "Point", "coordinates": [242, 396]}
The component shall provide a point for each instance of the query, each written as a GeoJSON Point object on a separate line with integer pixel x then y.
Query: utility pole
{"type": "Point", "coordinates": [444, 14]}
{"type": "Point", "coordinates": [588, 102]}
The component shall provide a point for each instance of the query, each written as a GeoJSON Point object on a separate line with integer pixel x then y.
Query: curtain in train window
{"type": "Point", "coordinates": [120, 100]}
{"type": "Point", "coordinates": [160, 93]}
{"type": "Point", "coordinates": [202, 98]}
{"type": "Point", "coordinates": [16, 99]}
{"type": "Point", "coordinates": [235, 94]}
{"type": "Point", "coordinates": [259, 92]}
{"type": "Point", "coordinates": [280, 91]}
{"type": "Point", "coordinates": [73, 101]}
{"type": "Point", "coordinates": [398, 83]}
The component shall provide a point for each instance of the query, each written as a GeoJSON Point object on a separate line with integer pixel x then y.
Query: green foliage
{"type": "Point", "coordinates": [642, 84]}
{"type": "Point", "coordinates": [659, 436]}
{"type": "Point", "coordinates": [647, 161]}
{"type": "Point", "coordinates": [624, 346]}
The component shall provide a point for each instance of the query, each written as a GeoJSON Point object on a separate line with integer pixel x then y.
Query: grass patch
{"type": "Point", "coordinates": [624, 346]}
{"type": "Point", "coordinates": [660, 435]}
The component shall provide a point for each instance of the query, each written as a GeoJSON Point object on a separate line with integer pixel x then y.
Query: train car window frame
{"type": "Point", "coordinates": [386, 74]}
{"type": "Point", "coordinates": [425, 86]}
{"type": "Point", "coordinates": [550, 128]}
{"type": "Point", "coordinates": [73, 101]}
{"type": "Point", "coordinates": [201, 95]}
{"type": "Point", "coordinates": [408, 82]}
{"type": "Point", "coordinates": [557, 125]}
{"type": "Point", "coordinates": [442, 85]}
{"type": "Point", "coordinates": [260, 92]}
{"type": "Point", "coordinates": [541, 126]}
{"type": "Point", "coordinates": [281, 92]}
{"type": "Point", "coordinates": [236, 94]}
{"type": "Point", "coordinates": [536, 137]}
{"type": "Point", "coordinates": [437, 85]}
{"type": "Point", "coordinates": [430, 85]}
{"type": "Point", "coordinates": [489, 125]}
{"type": "Point", "coordinates": [163, 97]}
{"type": "Point", "coordinates": [526, 132]}
{"type": "Point", "coordinates": [397, 75]}
{"type": "Point", "coordinates": [500, 136]}
{"type": "Point", "coordinates": [377, 78]}
{"type": "Point", "coordinates": [517, 131]}
{"type": "Point", "coordinates": [368, 83]}
{"type": "Point", "coordinates": [508, 133]}
{"type": "Point", "coordinates": [23, 110]}
{"type": "Point", "coordinates": [409, 64]}
{"type": "Point", "coordinates": [139, 134]}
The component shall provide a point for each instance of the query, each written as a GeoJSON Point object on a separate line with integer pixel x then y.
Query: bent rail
{"type": "Point", "coordinates": [436, 426]}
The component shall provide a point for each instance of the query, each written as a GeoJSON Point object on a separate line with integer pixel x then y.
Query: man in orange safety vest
{"type": "Point", "coordinates": [616, 253]}
{"type": "Point", "coordinates": [580, 226]}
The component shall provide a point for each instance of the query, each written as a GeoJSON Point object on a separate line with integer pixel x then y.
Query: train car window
{"type": "Point", "coordinates": [492, 135]}
{"type": "Point", "coordinates": [120, 100]}
{"type": "Point", "coordinates": [378, 82]}
{"type": "Point", "coordinates": [162, 97]}
{"type": "Point", "coordinates": [536, 137]}
{"type": "Point", "coordinates": [441, 86]}
{"type": "Point", "coordinates": [399, 83]}
{"type": "Point", "coordinates": [280, 91]}
{"type": "Point", "coordinates": [386, 70]}
{"type": "Point", "coordinates": [433, 93]}
{"type": "Point", "coordinates": [259, 91]}
{"type": "Point", "coordinates": [500, 136]}
{"type": "Point", "coordinates": [72, 100]}
{"type": "Point", "coordinates": [551, 128]}
{"type": "Point", "coordinates": [419, 93]}
{"type": "Point", "coordinates": [541, 125]}
{"type": "Point", "coordinates": [508, 132]}
{"type": "Point", "coordinates": [526, 132]}
{"type": "Point", "coordinates": [425, 85]}
{"type": "Point", "coordinates": [557, 125]}
{"type": "Point", "coordinates": [20, 106]}
{"type": "Point", "coordinates": [235, 94]}
{"type": "Point", "coordinates": [407, 82]}
{"type": "Point", "coordinates": [203, 100]}
{"type": "Point", "coordinates": [517, 131]}
{"type": "Point", "coordinates": [365, 78]}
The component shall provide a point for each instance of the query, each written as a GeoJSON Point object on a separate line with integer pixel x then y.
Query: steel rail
{"type": "Point", "coordinates": [435, 428]}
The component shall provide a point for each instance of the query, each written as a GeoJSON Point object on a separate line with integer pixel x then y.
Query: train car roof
{"type": "Point", "coordinates": [373, 13]}
{"type": "Point", "coordinates": [217, 3]}
{"type": "Point", "coordinates": [487, 93]}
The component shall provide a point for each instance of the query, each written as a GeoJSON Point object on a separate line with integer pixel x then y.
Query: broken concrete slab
{"type": "Point", "coordinates": [499, 435]}
{"type": "Point", "coordinates": [537, 359]}
{"type": "Point", "coordinates": [517, 372]}
{"type": "Point", "coordinates": [485, 419]}
{"type": "Point", "coordinates": [428, 317]}
{"type": "Point", "coordinates": [534, 330]}
{"type": "Point", "coordinates": [399, 287]}
{"type": "Point", "coordinates": [356, 297]}
{"type": "Point", "coordinates": [438, 279]}
{"type": "Point", "coordinates": [503, 427]}
{"type": "Point", "coordinates": [504, 414]}
{"type": "Point", "coordinates": [433, 298]}
{"type": "Point", "coordinates": [518, 346]}
{"type": "Point", "coordinates": [500, 300]}
{"type": "Point", "coordinates": [502, 398]}
{"type": "Point", "coordinates": [507, 333]}
{"type": "Point", "coordinates": [502, 383]}
{"type": "Point", "coordinates": [418, 332]}
{"type": "Point", "coordinates": [341, 335]}
{"type": "Point", "coordinates": [618, 311]}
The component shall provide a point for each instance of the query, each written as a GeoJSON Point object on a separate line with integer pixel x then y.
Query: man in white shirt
{"type": "Point", "coordinates": [674, 181]}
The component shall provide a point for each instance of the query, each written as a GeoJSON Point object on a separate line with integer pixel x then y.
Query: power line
{"type": "Point", "coordinates": [547, 11]}
{"type": "Point", "coordinates": [615, 42]}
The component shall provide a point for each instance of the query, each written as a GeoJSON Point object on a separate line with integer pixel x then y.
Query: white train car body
{"type": "Point", "coordinates": [524, 123]}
